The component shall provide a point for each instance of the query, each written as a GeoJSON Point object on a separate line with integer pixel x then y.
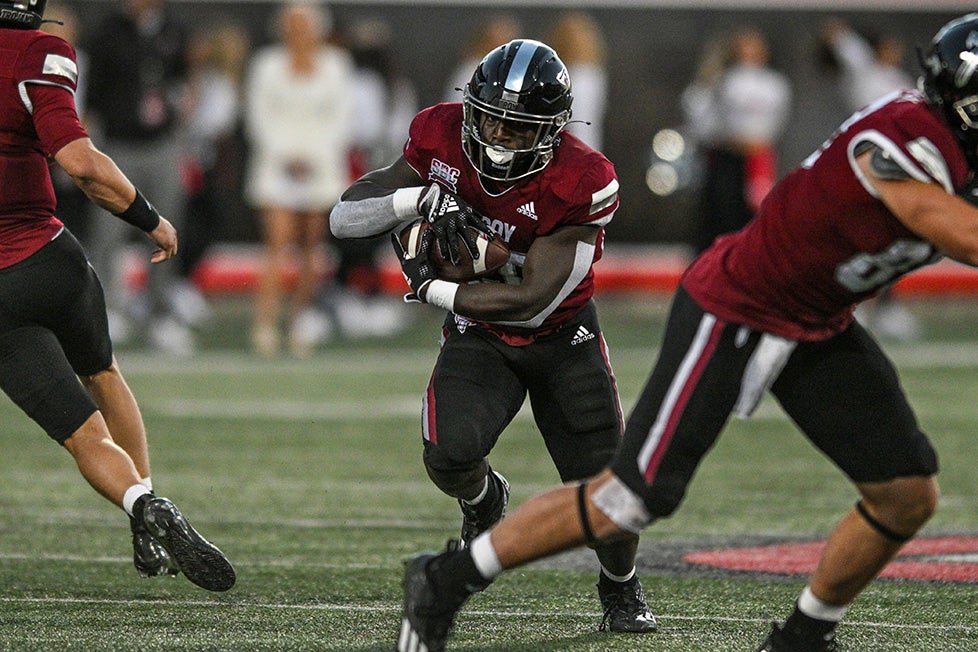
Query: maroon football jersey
{"type": "Point", "coordinates": [38, 76]}
{"type": "Point", "coordinates": [821, 240]}
{"type": "Point", "coordinates": [579, 186]}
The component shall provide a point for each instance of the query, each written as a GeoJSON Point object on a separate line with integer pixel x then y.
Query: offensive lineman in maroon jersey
{"type": "Point", "coordinates": [770, 307]}
{"type": "Point", "coordinates": [500, 161]}
{"type": "Point", "coordinates": [53, 326]}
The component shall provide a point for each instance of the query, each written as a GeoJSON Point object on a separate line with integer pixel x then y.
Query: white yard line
{"type": "Point", "coordinates": [364, 363]}
{"type": "Point", "coordinates": [396, 608]}
{"type": "Point", "coordinates": [284, 410]}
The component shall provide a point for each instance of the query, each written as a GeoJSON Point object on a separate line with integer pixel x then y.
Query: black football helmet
{"type": "Point", "coordinates": [522, 82]}
{"type": "Point", "coordinates": [21, 14]}
{"type": "Point", "coordinates": [950, 79]}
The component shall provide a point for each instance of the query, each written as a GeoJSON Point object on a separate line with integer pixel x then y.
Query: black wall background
{"type": "Point", "coordinates": [653, 55]}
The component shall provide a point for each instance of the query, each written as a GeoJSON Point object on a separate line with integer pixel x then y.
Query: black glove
{"type": "Point", "coordinates": [448, 214]}
{"type": "Point", "coordinates": [417, 271]}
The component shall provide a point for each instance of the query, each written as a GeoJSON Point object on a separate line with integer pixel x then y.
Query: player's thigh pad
{"type": "Point", "coordinates": [36, 376]}
{"type": "Point", "coordinates": [684, 405]}
{"type": "Point", "coordinates": [846, 397]}
{"type": "Point", "coordinates": [83, 327]}
{"type": "Point", "coordinates": [574, 397]}
{"type": "Point", "coordinates": [57, 289]}
{"type": "Point", "coordinates": [471, 397]}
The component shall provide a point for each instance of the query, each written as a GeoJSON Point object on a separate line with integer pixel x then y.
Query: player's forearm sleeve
{"type": "Point", "coordinates": [364, 218]}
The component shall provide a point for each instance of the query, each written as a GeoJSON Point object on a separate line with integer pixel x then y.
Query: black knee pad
{"type": "Point", "coordinates": [462, 481]}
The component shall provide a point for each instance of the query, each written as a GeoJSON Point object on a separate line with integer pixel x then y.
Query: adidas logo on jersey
{"type": "Point", "coordinates": [581, 336]}
{"type": "Point", "coordinates": [528, 209]}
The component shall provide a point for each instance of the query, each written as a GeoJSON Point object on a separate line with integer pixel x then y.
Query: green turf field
{"type": "Point", "coordinates": [308, 475]}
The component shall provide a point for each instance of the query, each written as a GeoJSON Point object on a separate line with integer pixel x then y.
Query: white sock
{"type": "Point", "coordinates": [618, 578]}
{"type": "Point", "coordinates": [482, 494]}
{"type": "Point", "coordinates": [812, 607]}
{"type": "Point", "coordinates": [132, 494]}
{"type": "Point", "coordinates": [484, 556]}
{"type": "Point", "coordinates": [148, 482]}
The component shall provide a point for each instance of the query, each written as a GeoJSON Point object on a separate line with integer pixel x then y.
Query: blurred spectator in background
{"type": "Point", "coordinates": [497, 30]}
{"type": "Point", "coordinates": [736, 108]}
{"type": "Point", "coordinates": [212, 112]}
{"type": "Point", "coordinates": [74, 208]}
{"type": "Point", "coordinates": [868, 68]}
{"type": "Point", "coordinates": [385, 102]}
{"type": "Point", "coordinates": [578, 38]}
{"type": "Point", "coordinates": [299, 120]}
{"type": "Point", "coordinates": [137, 67]}
{"type": "Point", "coordinates": [386, 99]}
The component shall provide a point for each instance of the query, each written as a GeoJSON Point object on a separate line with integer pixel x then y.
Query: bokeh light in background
{"type": "Point", "coordinates": [662, 178]}
{"type": "Point", "coordinates": [668, 144]}
{"type": "Point", "coordinates": [672, 163]}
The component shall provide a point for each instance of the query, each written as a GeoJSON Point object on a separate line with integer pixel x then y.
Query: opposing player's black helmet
{"type": "Point", "coordinates": [950, 79]}
{"type": "Point", "coordinates": [22, 14]}
{"type": "Point", "coordinates": [524, 82]}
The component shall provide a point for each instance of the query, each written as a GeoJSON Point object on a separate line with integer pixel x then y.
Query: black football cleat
{"type": "Point", "coordinates": [199, 560]}
{"type": "Point", "coordinates": [476, 519]}
{"type": "Point", "coordinates": [149, 557]}
{"type": "Point", "coordinates": [780, 640]}
{"type": "Point", "coordinates": [625, 609]}
{"type": "Point", "coordinates": [428, 614]}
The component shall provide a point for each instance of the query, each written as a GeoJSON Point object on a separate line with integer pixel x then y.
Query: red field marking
{"type": "Point", "coordinates": [951, 559]}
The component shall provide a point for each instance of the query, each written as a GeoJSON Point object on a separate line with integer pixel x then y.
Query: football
{"type": "Point", "coordinates": [493, 254]}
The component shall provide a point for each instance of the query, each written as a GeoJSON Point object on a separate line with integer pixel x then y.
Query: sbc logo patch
{"type": "Point", "coordinates": [445, 173]}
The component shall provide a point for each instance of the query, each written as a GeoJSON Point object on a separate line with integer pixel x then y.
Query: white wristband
{"type": "Point", "coordinates": [441, 294]}
{"type": "Point", "coordinates": [406, 202]}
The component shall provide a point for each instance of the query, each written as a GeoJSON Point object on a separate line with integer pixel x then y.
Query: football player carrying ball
{"type": "Point", "coordinates": [501, 162]}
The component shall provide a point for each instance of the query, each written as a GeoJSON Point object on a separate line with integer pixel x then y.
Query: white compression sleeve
{"type": "Point", "coordinates": [364, 218]}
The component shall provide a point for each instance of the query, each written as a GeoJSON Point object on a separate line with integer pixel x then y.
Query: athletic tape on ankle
{"type": "Point", "coordinates": [484, 557]}
{"type": "Point", "coordinates": [812, 607]}
{"type": "Point", "coordinates": [896, 537]}
{"type": "Point", "coordinates": [618, 578]}
{"type": "Point", "coordinates": [132, 494]}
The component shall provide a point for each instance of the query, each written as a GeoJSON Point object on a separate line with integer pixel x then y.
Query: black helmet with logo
{"type": "Point", "coordinates": [523, 82]}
